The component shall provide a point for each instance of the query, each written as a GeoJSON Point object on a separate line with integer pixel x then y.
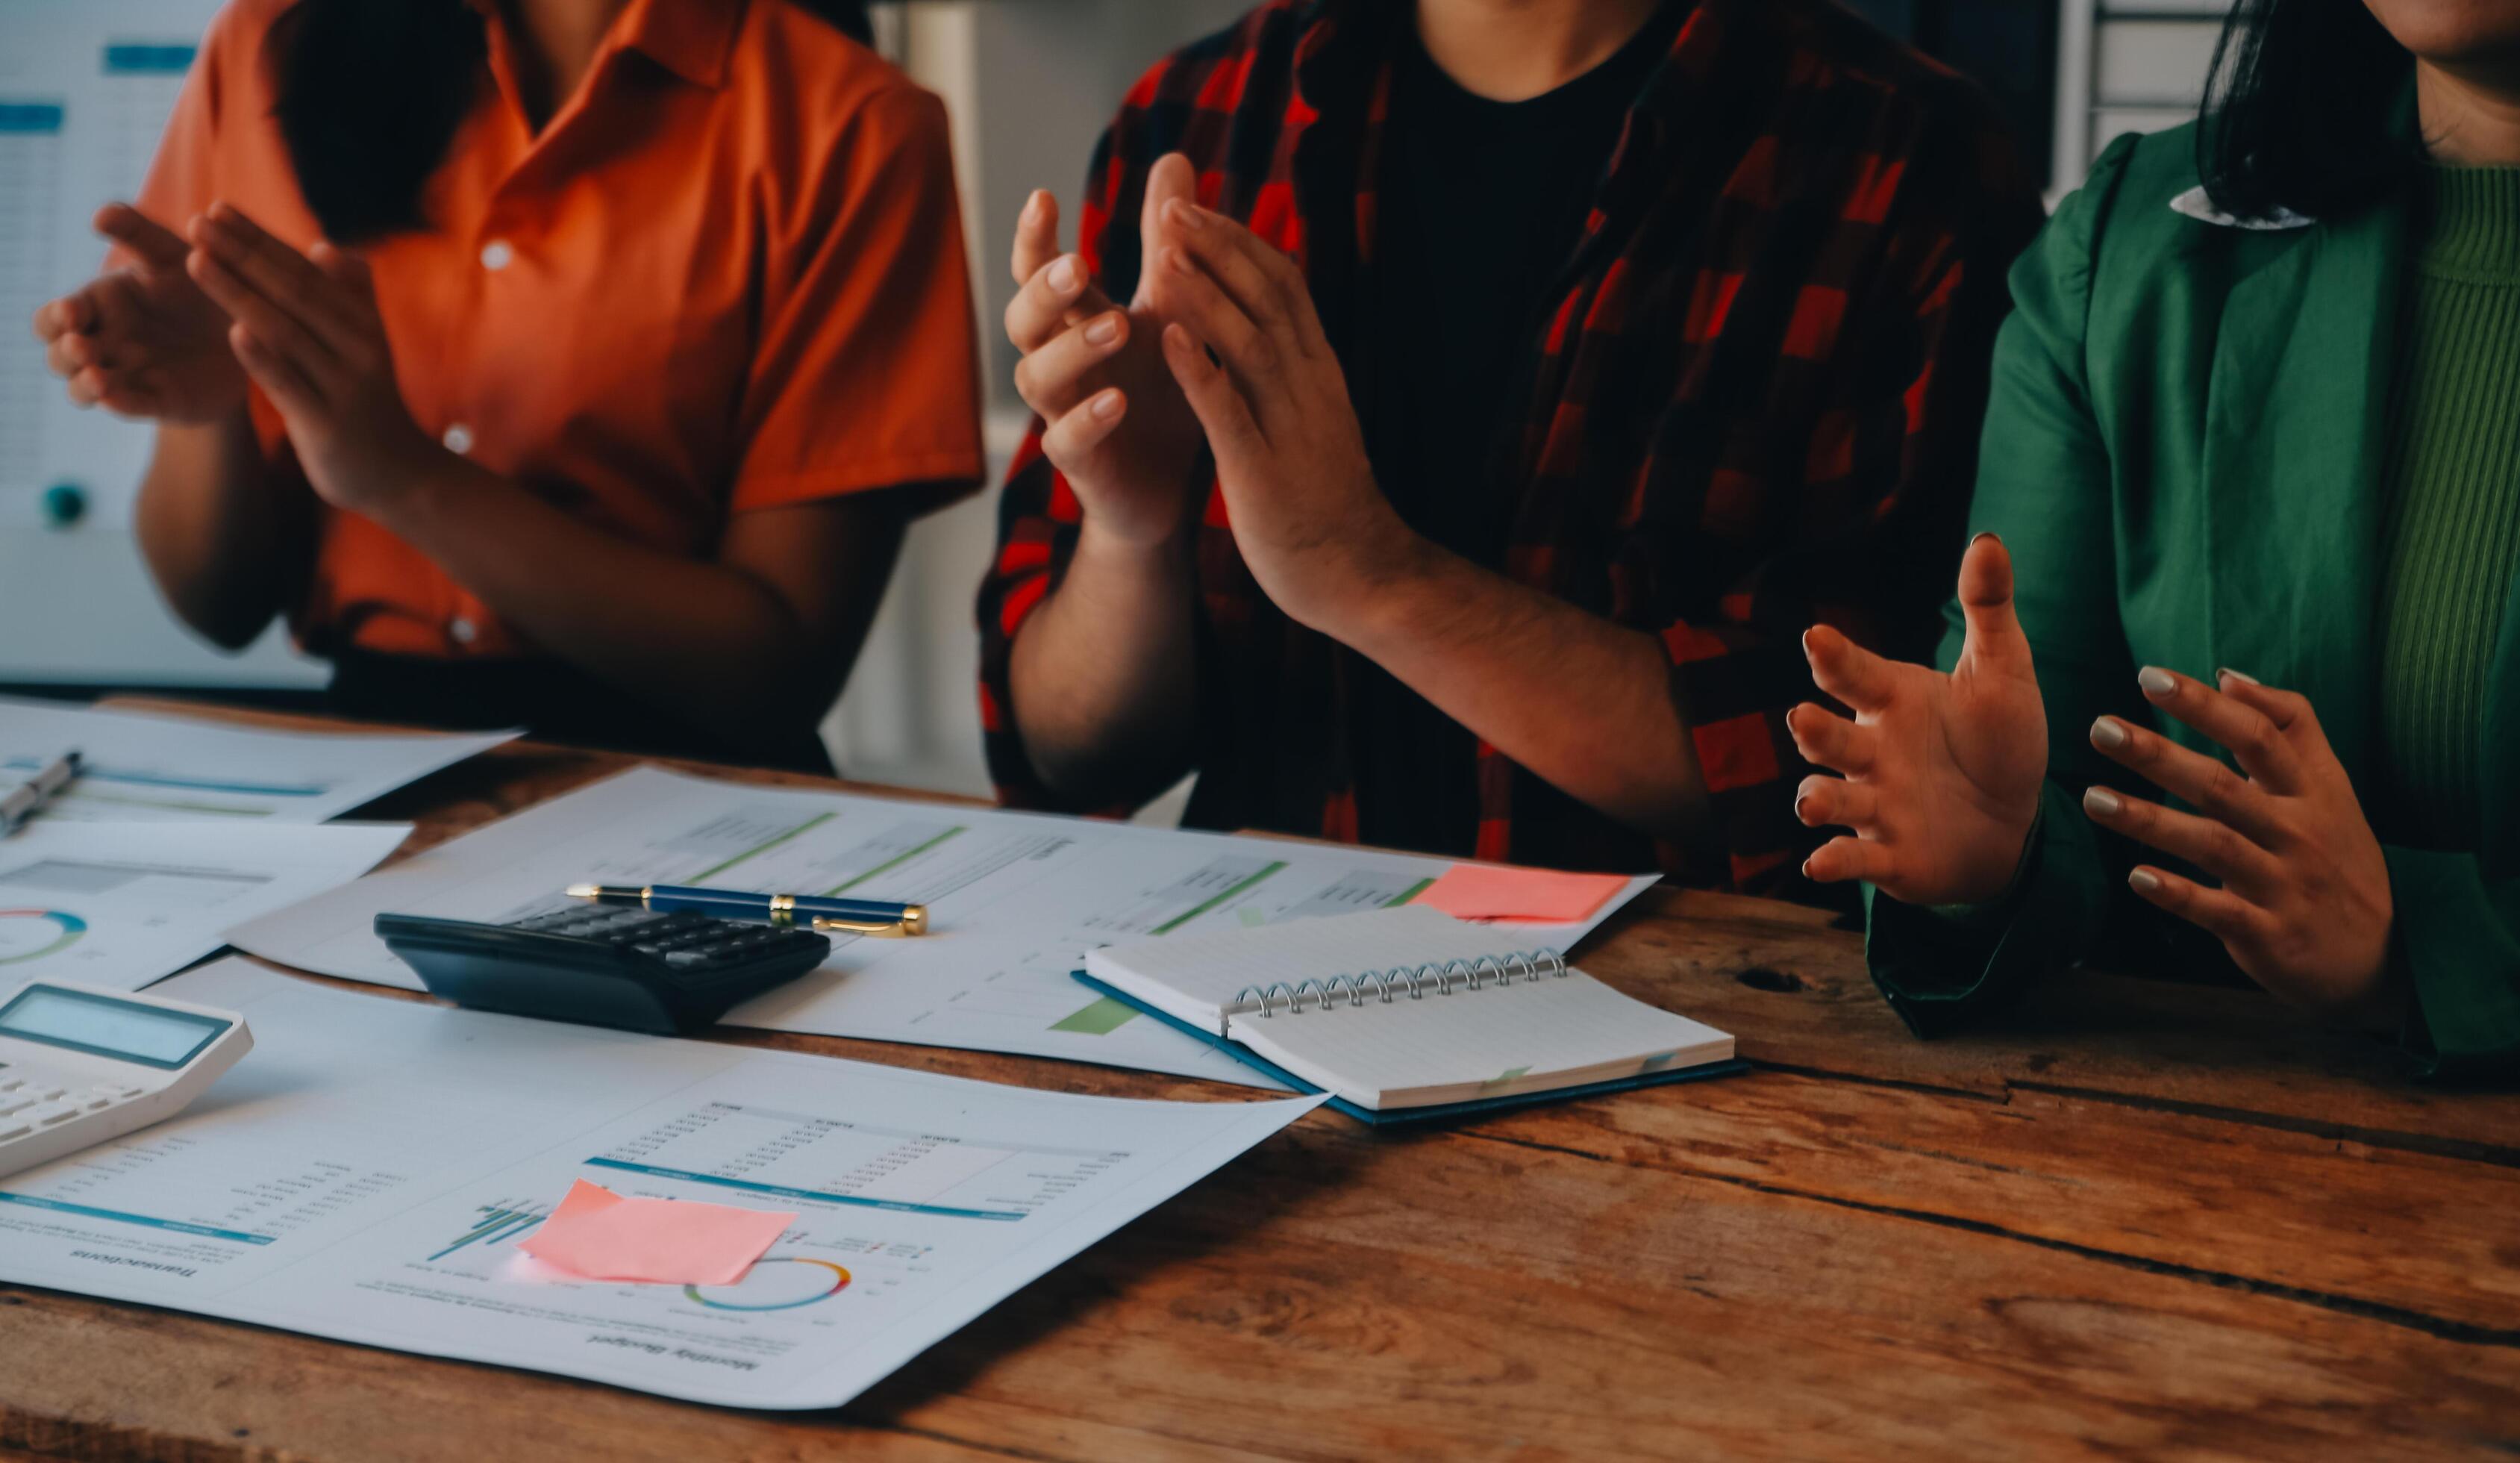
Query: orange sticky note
{"type": "Point", "coordinates": [601, 1235]}
{"type": "Point", "coordinates": [1542, 897]}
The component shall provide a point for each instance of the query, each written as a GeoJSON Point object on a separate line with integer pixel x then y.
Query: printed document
{"type": "Point", "coordinates": [121, 904]}
{"type": "Point", "coordinates": [1015, 901]}
{"type": "Point", "coordinates": [367, 1173]}
{"type": "Point", "coordinates": [139, 768]}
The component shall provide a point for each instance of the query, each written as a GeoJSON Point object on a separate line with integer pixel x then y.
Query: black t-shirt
{"type": "Point", "coordinates": [1480, 205]}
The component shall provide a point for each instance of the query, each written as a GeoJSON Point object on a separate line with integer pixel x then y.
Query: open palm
{"type": "Point", "coordinates": [1941, 774]}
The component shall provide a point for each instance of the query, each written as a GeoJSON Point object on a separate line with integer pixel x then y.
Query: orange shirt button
{"type": "Point", "coordinates": [457, 439]}
{"type": "Point", "coordinates": [463, 629]}
{"type": "Point", "coordinates": [497, 254]}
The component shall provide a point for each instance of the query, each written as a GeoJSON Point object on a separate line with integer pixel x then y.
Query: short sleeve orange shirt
{"type": "Point", "coordinates": [727, 275]}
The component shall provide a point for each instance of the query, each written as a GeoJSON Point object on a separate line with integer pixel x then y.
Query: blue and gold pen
{"type": "Point", "coordinates": [841, 916]}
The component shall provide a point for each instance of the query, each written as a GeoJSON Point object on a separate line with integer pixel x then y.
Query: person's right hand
{"type": "Point", "coordinates": [1941, 772]}
{"type": "Point", "coordinates": [142, 339]}
{"type": "Point", "coordinates": [1088, 365]}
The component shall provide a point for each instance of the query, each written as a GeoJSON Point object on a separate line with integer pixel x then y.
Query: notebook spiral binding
{"type": "Point", "coordinates": [1528, 966]}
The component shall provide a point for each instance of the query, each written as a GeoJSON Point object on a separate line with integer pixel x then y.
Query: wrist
{"type": "Point", "coordinates": [409, 493]}
{"type": "Point", "coordinates": [1378, 591]}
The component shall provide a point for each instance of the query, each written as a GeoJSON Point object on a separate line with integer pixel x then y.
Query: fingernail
{"type": "Point", "coordinates": [1184, 214]}
{"type": "Point", "coordinates": [2155, 681]}
{"type": "Point", "coordinates": [1106, 406]}
{"type": "Point", "coordinates": [1062, 275]}
{"type": "Point", "coordinates": [2227, 673]}
{"type": "Point", "coordinates": [1177, 260]}
{"type": "Point", "coordinates": [1984, 533]}
{"type": "Point", "coordinates": [1105, 331]}
{"type": "Point", "coordinates": [2109, 734]}
{"type": "Point", "coordinates": [2103, 802]}
{"type": "Point", "coordinates": [1798, 807]}
{"type": "Point", "coordinates": [2143, 881]}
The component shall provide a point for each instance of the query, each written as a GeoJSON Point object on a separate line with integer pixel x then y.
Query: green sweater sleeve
{"type": "Point", "coordinates": [2044, 486]}
{"type": "Point", "coordinates": [2459, 939]}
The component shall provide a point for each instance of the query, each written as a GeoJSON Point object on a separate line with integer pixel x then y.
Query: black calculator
{"type": "Point", "coordinates": [604, 965]}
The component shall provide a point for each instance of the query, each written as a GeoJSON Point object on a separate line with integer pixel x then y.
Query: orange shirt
{"type": "Point", "coordinates": [727, 275]}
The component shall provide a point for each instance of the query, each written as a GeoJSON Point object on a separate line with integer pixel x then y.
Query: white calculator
{"type": "Point", "coordinates": [80, 1066]}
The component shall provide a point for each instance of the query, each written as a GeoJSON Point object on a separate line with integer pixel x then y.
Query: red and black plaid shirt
{"type": "Point", "coordinates": [1755, 406]}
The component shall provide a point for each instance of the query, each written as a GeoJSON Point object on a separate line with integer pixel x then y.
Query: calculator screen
{"type": "Point", "coordinates": [104, 1026]}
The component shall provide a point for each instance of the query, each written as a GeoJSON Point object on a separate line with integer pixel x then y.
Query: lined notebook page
{"type": "Point", "coordinates": [1499, 1039]}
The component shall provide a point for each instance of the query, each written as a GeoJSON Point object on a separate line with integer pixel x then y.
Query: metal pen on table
{"type": "Point", "coordinates": [28, 798]}
{"type": "Point", "coordinates": [823, 912]}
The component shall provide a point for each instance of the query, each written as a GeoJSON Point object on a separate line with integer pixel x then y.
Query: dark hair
{"type": "Point", "coordinates": [371, 92]}
{"type": "Point", "coordinates": [2300, 107]}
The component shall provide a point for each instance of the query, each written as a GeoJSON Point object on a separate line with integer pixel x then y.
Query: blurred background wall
{"type": "Point", "coordinates": [85, 84]}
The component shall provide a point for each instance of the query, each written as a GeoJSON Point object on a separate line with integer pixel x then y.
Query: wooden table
{"type": "Point", "coordinates": [2142, 1220]}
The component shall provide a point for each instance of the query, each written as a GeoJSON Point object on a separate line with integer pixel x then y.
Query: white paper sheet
{"type": "Point", "coordinates": [1015, 901]}
{"type": "Point", "coordinates": [139, 768]}
{"type": "Point", "coordinates": [365, 1174]}
{"type": "Point", "coordinates": [121, 904]}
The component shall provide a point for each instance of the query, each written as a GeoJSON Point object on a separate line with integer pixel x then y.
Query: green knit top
{"type": "Point", "coordinates": [2453, 517]}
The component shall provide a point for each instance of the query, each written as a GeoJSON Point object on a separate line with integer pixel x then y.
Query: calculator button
{"type": "Point", "coordinates": [48, 1094]}
{"type": "Point", "coordinates": [95, 1098]}
{"type": "Point", "coordinates": [14, 1127]}
{"type": "Point", "coordinates": [10, 1084]}
{"type": "Point", "coordinates": [15, 1103]}
{"type": "Point", "coordinates": [120, 1090]}
{"type": "Point", "coordinates": [51, 1112]}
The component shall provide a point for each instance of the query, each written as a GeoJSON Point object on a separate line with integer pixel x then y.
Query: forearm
{"type": "Point", "coordinates": [1581, 702]}
{"type": "Point", "coordinates": [226, 540]}
{"type": "Point", "coordinates": [1104, 671]}
{"type": "Point", "coordinates": [706, 641]}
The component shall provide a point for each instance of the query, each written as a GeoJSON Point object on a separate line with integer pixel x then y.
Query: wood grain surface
{"type": "Point", "coordinates": [2138, 1218]}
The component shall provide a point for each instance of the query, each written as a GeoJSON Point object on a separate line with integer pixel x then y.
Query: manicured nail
{"type": "Point", "coordinates": [1105, 331]}
{"type": "Point", "coordinates": [1984, 533]}
{"type": "Point", "coordinates": [1184, 214]}
{"type": "Point", "coordinates": [1177, 260]}
{"type": "Point", "coordinates": [2227, 673]}
{"type": "Point", "coordinates": [2109, 734]}
{"type": "Point", "coordinates": [2101, 802]}
{"type": "Point", "coordinates": [2156, 682]}
{"type": "Point", "coordinates": [1107, 405]}
{"type": "Point", "coordinates": [2143, 881]}
{"type": "Point", "coordinates": [1799, 802]}
{"type": "Point", "coordinates": [1062, 275]}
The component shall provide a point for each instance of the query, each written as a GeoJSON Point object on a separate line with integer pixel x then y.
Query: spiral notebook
{"type": "Point", "coordinates": [1406, 1013]}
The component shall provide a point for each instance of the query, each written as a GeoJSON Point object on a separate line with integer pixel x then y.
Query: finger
{"type": "Point", "coordinates": [1187, 294]}
{"type": "Point", "coordinates": [2211, 846]}
{"type": "Point", "coordinates": [1842, 858]}
{"type": "Point", "coordinates": [1232, 432]}
{"type": "Point", "coordinates": [1171, 179]}
{"type": "Point", "coordinates": [2290, 710]}
{"type": "Point", "coordinates": [2262, 750]}
{"type": "Point", "coordinates": [1074, 435]}
{"type": "Point", "coordinates": [133, 394]}
{"type": "Point", "coordinates": [86, 388]}
{"type": "Point", "coordinates": [1833, 801]}
{"type": "Point", "coordinates": [74, 311]}
{"type": "Point", "coordinates": [159, 245]}
{"type": "Point", "coordinates": [69, 355]}
{"type": "Point", "coordinates": [2219, 912]}
{"type": "Point", "coordinates": [1241, 265]}
{"type": "Point", "coordinates": [2200, 781]}
{"type": "Point", "coordinates": [1057, 296]}
{"type": "Point", "coordinates": [1828, 740]}
{"type": "Point", "coordinates": [279, 330]}
{"type": "Point", "coordinates": [277, 272]}
{"type": "Point", "coordinates": [1054, 379]}
{"type": "Point", "coordinates": [1990, 629]}
{"type": "Point", "coordinates": [118, 311]}
{"type": "Point", "coordinates": [1036, 234]}
{"type": "Point", "coordinates": [280, 377]}
{"type": "Point", "coordinates": [1847, 670]}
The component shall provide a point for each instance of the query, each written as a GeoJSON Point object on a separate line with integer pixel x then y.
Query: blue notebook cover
{"type": "Point", "coordinates": [1436, 1113]}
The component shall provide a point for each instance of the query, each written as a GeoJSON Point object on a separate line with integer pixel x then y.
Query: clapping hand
{"type": "Point", "coordinates": [142, 340]}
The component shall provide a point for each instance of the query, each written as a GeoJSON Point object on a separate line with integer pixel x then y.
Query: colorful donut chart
{"type": "Point", "coordinates": [780, 1284]}
{"type": "Point", "coordinates": [69, 928]}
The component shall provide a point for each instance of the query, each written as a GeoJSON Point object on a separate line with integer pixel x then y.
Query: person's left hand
{"type": "Point", "coordinates": [1316, 533]}
{"type": "Point", "coordinates": [308, 331]}
{"type": "Point", "coordinates": [2305, 907]}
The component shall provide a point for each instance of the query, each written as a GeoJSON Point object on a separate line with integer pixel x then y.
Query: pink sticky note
{"type": "Point", "coordinates": [1544, 896]}
{"type": "Point", "coordinates": [601, 1235]}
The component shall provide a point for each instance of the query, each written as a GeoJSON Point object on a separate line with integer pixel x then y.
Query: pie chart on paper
{"type": "Point", "coordinates": [33, 933]}
{"type": "Point", "coordinates": [780, 1284]}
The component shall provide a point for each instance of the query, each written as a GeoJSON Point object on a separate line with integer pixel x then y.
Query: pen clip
{"type": "Point", "coordinates": [880, 928]}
